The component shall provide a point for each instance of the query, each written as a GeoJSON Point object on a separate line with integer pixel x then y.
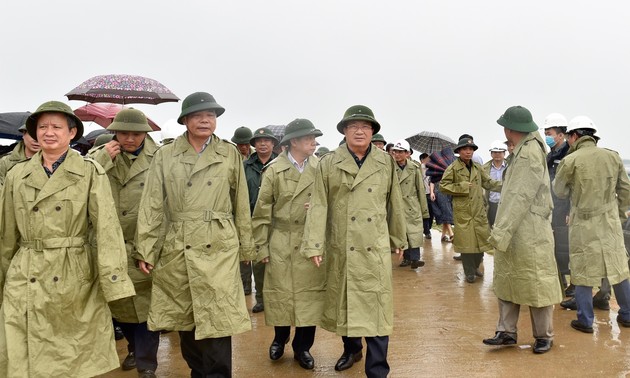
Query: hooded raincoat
{"type": "Point", "coordinates": [203, 197]}
{"type": "Point", "coordinates": [294, 287]}
{"type": "Point", "coordinates": [596, 182]}
{"type": "Point", "coordinates": [414, 196]}
{"type": "Point", "coordinates": [355, 219]}
{"type": "Point", "coordinates": [8, 161]}
{"type": "Point", "coordinates": [469, 207]}
{"type": "Point", "coordinates": [55, 318]}
{"type": "Point", "coordinates": [525, 269]}
{"type": "Point", "coordinates": [127, 174]}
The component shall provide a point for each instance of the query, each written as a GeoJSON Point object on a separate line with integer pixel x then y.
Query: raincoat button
{"type": "Point", "coordinates": [189, 183]}
{"type": "Point", "coordinates": [353, 219]}
{"type": "Point", "coordinates": [141, 184]}
{"type": "Point", "coordinates": [33, 280]}
{"type": "Point", "coordinates": [114, 277]}
{"type": "Point", "coordinates": [369, 249]}
{"type": "Point", "coordinates": [352, 248]}
{"type": "Point", "coordinates": [295, 248]}
{"type": "Point", "coordinates": [370, 190]}
{"type": "Point", "coordinates": [58, 208]}
{"type": "Point", "coordinates": [187, 247]}
{"type": "Point", "coordinates": [209, 183]}
{"type": "Point", "coordinates": [208, 245]}
{"type": "Point", "coordinates": [296, 222]}
{"type": "Point", "coordinates": [36, 208]}
{"type": "Point", "coordinates": [369, 219]}
{"type": "Point", "coordinates": [55, 278]}
{"type": "Point", "coordinates": [316, 245]}
{"type": "Point", "coordinates": [124, 212]}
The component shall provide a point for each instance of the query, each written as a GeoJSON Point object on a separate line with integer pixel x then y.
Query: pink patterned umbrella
{"type": "Point", "coordinates": [122, 89]}
{"type": "Point", "coordinates": [103, 114]}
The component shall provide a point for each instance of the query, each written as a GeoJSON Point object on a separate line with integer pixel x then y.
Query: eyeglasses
{"type": "Point", "coordinates": [354, 128]}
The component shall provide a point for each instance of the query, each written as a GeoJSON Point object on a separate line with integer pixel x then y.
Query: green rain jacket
{"type": "Point", "coordinates": [414, 197]}
{"type": "Point", "coordinates": [597, 184]}
{"type": "Point", "coordinates": [127, 174]}
{"type": "Point", "coordinates": [8, 161]}
{"type": "Point", "coordinates": [55, 319]}
{"type": "Point", "coordinates": [294, 287]}
{"type": "Point", "coordinates": [196, 279]}
{"type": "Point", "coordinates": [355, 219]}
{"type": "Point", "coordinates": [469, 207]}
{"type": "Point", "coordinates": [525, 269]}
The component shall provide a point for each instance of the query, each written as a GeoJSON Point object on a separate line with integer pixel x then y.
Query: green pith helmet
{"type": "Point", "coordinates": [197, 102]}
{"type": "Point", "coordinates": [298, 128]}
{"type": "Point", "coordinates": [359, 112]}
{"type": "Point", "coordinates": [102, 139]}
{"type": "Point", "coordinates": [321, 151]}
{"type": "Point", "coordinates": [263, 132]}
{"type": "Point", "coordinates": [53, 107]}
{"type": "Point", "coordinates": [242, 135]}
{"type": "Point", "coordinates": [130, 120]}
{"type": "Point", "coordinates": [518, 118]}
{"type": "Point", "coordinates": [465, 142]}
{"type": "Point", "coordinates": [378, 138]}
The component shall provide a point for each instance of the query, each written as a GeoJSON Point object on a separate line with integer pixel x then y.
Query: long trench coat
{"type": "Point", "coordinates": [356, 217]}
{"type": "Point", "coordinates": [525, 269]}
{"type": "Point", "coordinates": [196, 280]}
{"type": "Point", "coordinates": [414, 196]}
{"type": "Point", "coordinates": [127, 174]}
{"type": "Point", "coordinates": [597, 184]}
{"type": "Point", "coordinates": [294, 287]}
{"type": "Point", "coordinates": [469, 207]}
{"type": "Point", "coordinates": [7, 162]}
{"type": "Point", "coordinates": [55, 318]}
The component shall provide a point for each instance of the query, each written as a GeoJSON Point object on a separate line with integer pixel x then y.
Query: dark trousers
{"type": "Point", "coordinates": [471, 262]}
{"type": "Point", "coordinates": [259, 279]}
{"type": "Point", "coordinates": [302, 341]}
{"type": "Point", "coordinates": [246, 275]}
{"type": "Point", "coordinates": [207, 358]}
{"type": "Point", "coordinates": [376, 365]}
{"type": "Point", "coordinates": [412, 254]}
{"type": "Point", "coordinates": [492, 213]}
{"type": "Point", "coordinates": [427, 223]}
{"type": "Point", "coordinates": [143, 343]}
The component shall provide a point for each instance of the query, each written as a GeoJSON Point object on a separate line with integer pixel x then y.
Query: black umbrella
{"type": "Point", "coordinates": [10, 123]}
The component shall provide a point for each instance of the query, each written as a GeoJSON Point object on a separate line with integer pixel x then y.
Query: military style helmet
{"type": "Point", "coordinates": [378, 138]}
{"type": "Point", "coordinates": [321, 151]}
{"type": "Point", "coordinates": [242, 135]}
{"type": "Point", "coordinates": [263, 132]}
{"type": "Point", "coordinates": [298, 128]}
{"type": "Point", "coordinates": [130, 120]}
{"type": "Point", "coordinates": [518, 118]}
{"type": "Point", "coordinates": [359, 112]}
{"type": "Point", "coordinates": [53, 107]}
{"type": "Point", "coordinates": [465, 142]}
{"type": "Point", "coordinates": [102, 139]}
{"type": "Point", "coordinates": [197, 102]}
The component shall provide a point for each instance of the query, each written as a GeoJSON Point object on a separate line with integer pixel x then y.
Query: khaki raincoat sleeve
{"type": "Point", "coordinates": [263, 213]}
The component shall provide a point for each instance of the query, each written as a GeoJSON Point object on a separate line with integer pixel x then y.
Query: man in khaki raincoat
{"type": "Point", "coordinates": [411, 184]}
{"type": "Point", "coordinates": [127, 159]}
{"type": "Point", "coordinates": [197, 185]}
{"type": "Point", "coordinates": [294, 288]}
{"type": "Point", "coordinates": [465, 181]}
{"type": "Point", "coordinates": [597, 184]}
{"type": "Point", "coordinates": [24, 150]}
{"type": "Point", "coordinates": [355, 220]}
{"type": "Point", "coordinates": [54, 320]}
{"type": "Point", "coordinates": [525, 271]}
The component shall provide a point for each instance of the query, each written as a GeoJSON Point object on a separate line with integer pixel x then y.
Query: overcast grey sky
{"type": "Point", "coordinates": [448, 66]}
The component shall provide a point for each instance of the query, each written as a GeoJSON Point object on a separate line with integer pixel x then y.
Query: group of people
{"type": "Point", "coordinates": [168, 238]}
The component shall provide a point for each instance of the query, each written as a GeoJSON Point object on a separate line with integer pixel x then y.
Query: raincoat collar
{"type": "Point", "coordinates": [583, 142]}
{"type": "Point", "coordinates": [67, 174]}
{"type": "Point", "coordinates": [533, 137]}
{"type": "Point", "coordinates": [374, 162]}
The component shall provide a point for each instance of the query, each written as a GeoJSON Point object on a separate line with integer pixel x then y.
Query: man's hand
{"type": "Point", "coordinates": [145, 267]}
{"type": "Point", "coordinates": [317, 260]}
{"type": "Point", "coordinates": [112, 148]}
{"type": "Point", "coordinates": [265, 260]}
{"type": "Point", "coordinates": [398, 251]}
{"type": "Point", "coordinates": [432, 196]}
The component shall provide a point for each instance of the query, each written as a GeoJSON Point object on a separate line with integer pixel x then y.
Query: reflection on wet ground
{"type": "Point", "coordinates": [440, 321]}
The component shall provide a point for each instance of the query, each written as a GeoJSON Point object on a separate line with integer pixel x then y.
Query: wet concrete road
{"type": "Point", "coordinates": [440, 321]}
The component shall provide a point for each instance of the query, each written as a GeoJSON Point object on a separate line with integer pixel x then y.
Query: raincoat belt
{"type": "Point", "coordinates": [543, 211]}
{"type": "Point", "coordinates": [287, 226]}
{"type": "Point", "coordinates": [205, 215]}
{"type": "Point", "coordinates": [590, 213]}
{"type": "Point", "coordinates": [41, 244]}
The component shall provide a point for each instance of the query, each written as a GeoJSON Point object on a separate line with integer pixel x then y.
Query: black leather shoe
{"type": "Point", "coordinates": [570, 291]}
{"type": "Point", "coordinates": [247, 288]}
{"type": "Point", "coordinates": [346, 360]}
{"type": "Point", "coordinates": [305, 359]}
{"type": "Point", "coordinates": [405, 262]}
{"type": "Point", "coordinates": [542, 346]}
{"type": "Point", "coordinates": [427, 236]}
{"type": "Point", "coordinates": [146, 373]}
{"type": "Point", "coordinates": [129, 362]}
{"type": "Point", "coordinates": [478, 273]}
{"type": "Point", "coordinates": [276, 350]}
{"type": "Point", "coordinates": [118, 333]}
{"type": "Point", "coordinates": [623, 323]}
{"type": "Point", "coordinates": [569, 304]}
{"type": "Point", "coordinates": [575, 324]}
{"type": "Point", "coordinates": [501, 338]}
{"type": "Point", "coordinates": [258, 307]}
{"type": "Point", "coordinates": [415, 264]}
{"type": "Point", "coordinates": [601, 304]}
{"type": "Point", "coordinates": [470, 279]}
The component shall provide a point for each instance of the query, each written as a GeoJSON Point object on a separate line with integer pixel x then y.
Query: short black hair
{"type": "Point", "coordinates": [389, 146]}
{"type": "Point", "coordinates": [424, 155]}
{"type": "Point", "coordinates": [558, 129]}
